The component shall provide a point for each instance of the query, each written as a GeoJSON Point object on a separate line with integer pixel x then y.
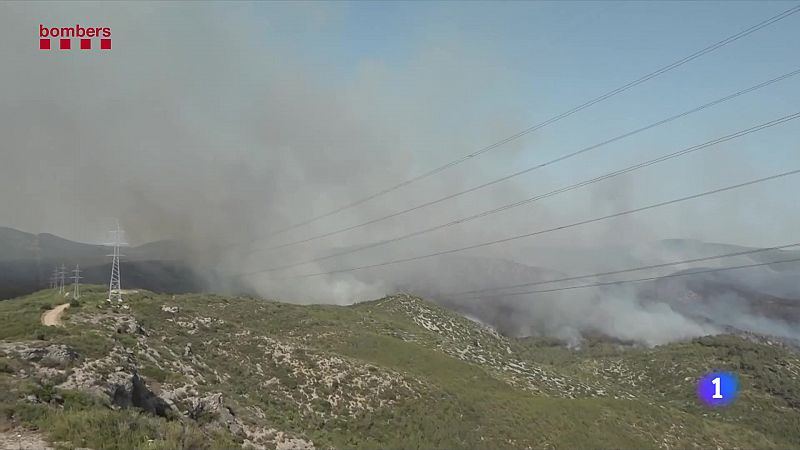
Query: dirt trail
{"type": "Point", "coordinates": [53, 317]}
{"type": "Point", "coordinates": [20, 438]}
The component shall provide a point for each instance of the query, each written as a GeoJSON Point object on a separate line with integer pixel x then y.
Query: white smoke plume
{"type": "Point", "coordinates": [210, 125]}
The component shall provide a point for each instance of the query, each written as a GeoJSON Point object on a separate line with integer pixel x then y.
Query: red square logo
{"type": "Point", "coordinates": [86, 44]}
{"type": "Point", "coordinates": [105, 44]}
{"type": "Point", "coordinates": [44, 44]}
{"type": "Point", "coordinates": [64, 44]}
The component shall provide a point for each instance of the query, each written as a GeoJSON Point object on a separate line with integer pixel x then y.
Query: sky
{"type": "Point", "coordinates": [506, 65]}
{"type": "Point", "coordinates": [219, 122]}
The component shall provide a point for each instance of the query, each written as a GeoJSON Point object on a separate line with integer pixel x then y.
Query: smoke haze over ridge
{"type": "Point", "coordinates": [217, 125]}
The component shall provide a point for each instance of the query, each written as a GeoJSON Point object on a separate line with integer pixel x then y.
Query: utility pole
{"type": "Point", "coordinates": [61, 274]}
{"type": "Point", "coordinates": [114, 286]}
{"type": "Point", "coordinates": [54, 278]}
{"type": "Point", "coordinates": [76, 285]}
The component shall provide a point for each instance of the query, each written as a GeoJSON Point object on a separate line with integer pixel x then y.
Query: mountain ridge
{"type": "Point", "coordinates": [394, 372]}
{"type": "Point", "coordinates": [27, 262]}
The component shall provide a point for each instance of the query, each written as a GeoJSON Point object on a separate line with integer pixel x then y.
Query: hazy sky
{"type": "Point", "coordinates": [269, 113]}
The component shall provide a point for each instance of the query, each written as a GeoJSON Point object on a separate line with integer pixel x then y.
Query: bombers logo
{"type": "Point", "coordinates": [65, 35]}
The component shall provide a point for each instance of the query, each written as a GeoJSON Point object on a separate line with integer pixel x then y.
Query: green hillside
{"type": "Point", "coordinates": [205, 371]}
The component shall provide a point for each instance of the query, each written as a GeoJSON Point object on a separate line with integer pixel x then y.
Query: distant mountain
{"type": "Point", "coordinates": [744, 300]}
{"type": "Point", "coordinates": [598, 259]}
{"type": "Point", "coordinates": [689, 246]}
{"type": "Point", "coordinates": [449, 274]}
{"type": "Point", "coordinates": [17, 245]}
{"type": "Point", "coordinates": [440, 278]}
{"type": "Point", "coordinates": [763, 300]}
{"type": "Point", "coordinates": [27, 262]}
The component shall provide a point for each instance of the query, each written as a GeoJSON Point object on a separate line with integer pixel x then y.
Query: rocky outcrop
{"type": "Point", "coordinates": [212, 411]}
{"type": "Point", "coordinates": [129, 325]}
{"type": "Point", "coordinates": [211, 408]}
{"type": "Point", "coordinates": [55, 353]}
{"type": "Point", "coordinates": [133, 392]}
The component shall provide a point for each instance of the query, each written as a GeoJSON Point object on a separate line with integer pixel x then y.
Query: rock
{"type": "Point", "coordinates": [170, 309]}
{"type": "Point", "coordinates": [129, 326]}
{"type": "Point", "coordinates": [57, 399]}
{"type": "Point", "coordinates": [262, 439]}
{"type": "Point", "coordinates": [131, 391]}
{"type": "Point", "coordinates": [212, 407]}
{"type": "Point", "coordinates": [61, 353]}
{"type": "Point", "coordinates": [294, 444]}
{"type": "Point", "coordinates": [57, 353]}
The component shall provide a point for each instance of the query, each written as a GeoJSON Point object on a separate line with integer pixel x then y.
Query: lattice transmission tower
{"type": "Point", "coordinates": [114, 286]}
{"type": "Point", "coordinates": [76, 282]}
{"type": "Point", "coordinates": [61, 273]}
{"type": "Point", "coordinates": [54, 278]}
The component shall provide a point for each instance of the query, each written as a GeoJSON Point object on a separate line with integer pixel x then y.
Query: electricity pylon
{"type": "Point", "coordinates": [76, 285]}
{"type": "Point", "coordinates": [61, 273]}
{"type": "Point", "coordinates": [114, 286]}
{"type": "Point", "coordinates": [54, 278]}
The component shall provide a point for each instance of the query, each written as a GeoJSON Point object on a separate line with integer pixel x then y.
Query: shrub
{"type": "Point", "coordinates": [79, 401]}
{"type": "Point", "coordinates": [8, 365]}
{"type": "Point", "coordinates": [53, 363]}
{"type": "Point", "coordinates": [126, 340]}
{"type": "Point", "coordinates": [90, 344]}
{"type": "Point", "coordinates": [23, 412]}
{"type": "Point", "coordinates": [155, 373]}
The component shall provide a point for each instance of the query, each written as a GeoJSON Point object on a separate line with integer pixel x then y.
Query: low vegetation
{"type": "Point", "coordinates": [206, 371]}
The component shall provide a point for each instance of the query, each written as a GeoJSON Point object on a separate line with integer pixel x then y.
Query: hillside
{"type": "Point", "coordinates": [200, 371]}
{"type": "Point", "coordinates": [27, 261]}
{"type": "Point", "coordinates": [18, 245]}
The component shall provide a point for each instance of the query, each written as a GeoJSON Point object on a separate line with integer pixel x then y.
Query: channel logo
{"type": "Point", "coordinates": [86, 37]}
{"type": "Point", "coordinates": [718, 388]}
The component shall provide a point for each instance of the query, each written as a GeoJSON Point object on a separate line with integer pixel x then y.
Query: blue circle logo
{"type": "Point", "coordinates": [718, 388]}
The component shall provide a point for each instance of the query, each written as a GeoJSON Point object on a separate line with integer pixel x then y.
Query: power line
{"type": "Point", "coordinates": [535, 167]}
{"type": "Point", "coordinates": [639, 280]}
{"type": "Point", "coordinates": [547, 122]}
{"type": "Point", "coordinates": [584, 183]}
{"type": "Point", "coordinates": [549, 230]}
{"type": "Point", "coordinates": [472, 293]}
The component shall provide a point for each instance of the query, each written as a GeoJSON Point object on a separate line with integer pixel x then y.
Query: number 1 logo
{"type": "Point", "coordinates": [717, 384]}
{"type": "Point", "coordinates": [718, 388]}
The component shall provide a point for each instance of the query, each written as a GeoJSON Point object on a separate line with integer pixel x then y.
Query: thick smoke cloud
{"type": "Point", "coordinates": [210, 126]}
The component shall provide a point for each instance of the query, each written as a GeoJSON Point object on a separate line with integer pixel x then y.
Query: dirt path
{"type": "Point", "coordinates": [53, 317]}
{"type": "Point", "coordinates": [22, 439]}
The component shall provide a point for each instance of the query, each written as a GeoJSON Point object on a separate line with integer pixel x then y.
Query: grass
{"type": "Point", "coordinates": [151, 372]}
{"type": "Point", "coordinates": [90, 344]}
{"type": "Point", "coordinates": [441, 400]}
{"type": "Point", "coordinates": [107, 429]}
{"type": "Point", "coordinates": [84, 423]}
{"type": "Point", "coordinates": [21, 318]}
